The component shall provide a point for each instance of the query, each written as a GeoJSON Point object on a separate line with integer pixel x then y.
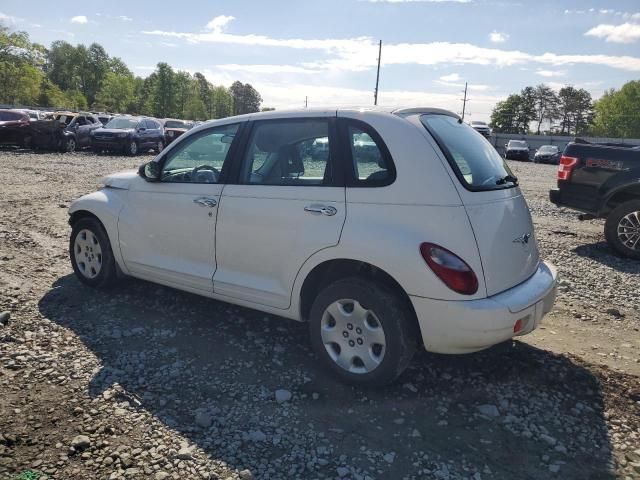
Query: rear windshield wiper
{"type": "Point", "coordinates": [507, 178]}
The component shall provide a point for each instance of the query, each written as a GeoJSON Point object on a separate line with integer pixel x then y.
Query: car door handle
{"type": "Point", "coordinates": [205, 202]}
{"type": "Point", "coordinates": [323, 209]}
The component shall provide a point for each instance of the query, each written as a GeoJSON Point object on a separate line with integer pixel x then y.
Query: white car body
{"type": "Point", "coordinates": [258, 245]}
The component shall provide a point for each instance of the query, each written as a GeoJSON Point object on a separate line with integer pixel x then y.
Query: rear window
{"type": "Point", "coordinates": [473, 159]}
{"type": "Point", "coordinates": [7, 116]}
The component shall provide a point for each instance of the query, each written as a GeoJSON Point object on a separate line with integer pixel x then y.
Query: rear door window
{"type": "Point", "coordinates": [473, 159]}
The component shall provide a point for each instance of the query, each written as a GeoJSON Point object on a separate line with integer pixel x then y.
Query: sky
{"type": "Point", "coordinates": [327, 50]}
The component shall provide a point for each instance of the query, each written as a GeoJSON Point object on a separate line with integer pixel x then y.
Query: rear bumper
{"type": "Point", "coordinates": [469, 326]}
{"type": "Point", "coordinates": [576, 201]}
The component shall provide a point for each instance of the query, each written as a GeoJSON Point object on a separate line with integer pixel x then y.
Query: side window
{"type": "Point", "coordinates": [199, 159]}
{"type": "Point", "coordinates": [152, 124]}
{"type": "Point", "coordinates": [288, 152]}
{"type": "Point", "coordinates": [371, 162]}
{"type": "Point", "coordinates": [147, 124]}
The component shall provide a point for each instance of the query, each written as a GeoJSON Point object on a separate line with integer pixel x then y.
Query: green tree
{"type": "Point", "coordinates": [246, 99]}
{"type": "Point", "coordinates": [546, 105]}
{"type": "Point", "coordinates": [50, 95]}
{"type": "Point", "coordinates": [575, 110]}
{"type": "Point", "coordinates": [116, 94]}
{"type": "Point", "coordinates": [222, 102]}
{"type": "Point", "coordinates": [61, 65]}
{"type": "Point", "coordinates": [20, 72]}
{"type": "Point", "coordinates": [163, 96]}
{"type": "Point", "coordinates": [504, 117]}
{"type": "Point", "coordinates": [616, 112]}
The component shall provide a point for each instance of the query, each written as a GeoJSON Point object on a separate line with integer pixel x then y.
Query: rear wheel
{"type": "Point", "coordinates": [91, 256]}
{"type": "Point", "coordinates": [159, 146]}
{"type": "Point", "coordinates": [362, 331]}
{"type": "Point", "coordinates": [622, 229]}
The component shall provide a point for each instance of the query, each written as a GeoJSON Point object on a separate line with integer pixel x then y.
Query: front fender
{"type": "Point", "coordinates": [105, 204]}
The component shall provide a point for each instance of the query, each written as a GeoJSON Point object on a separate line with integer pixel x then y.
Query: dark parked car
{"type": "Point", "coordinates": [601, 180]}
{"type": "Point", "coordinates": [13, 125]}
{"type": "Point", "coordinates": [516, 150]}
{"type": "Point", "coordinates": [174, 128]}
{"type": "Point", "coordinates": [130, 135]}
{"type": "Point", "coordinates": [67, 131]}
{"type": "Point", "coordinates": [104, 118]}
{"type": "Point", "coordinates": [547, 154]}
{"type": "Point", "coordinates": [482, 128]}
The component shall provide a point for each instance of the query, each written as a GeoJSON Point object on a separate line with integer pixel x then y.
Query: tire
{"type": "Point", "coordinates": [622, 228]}
{"type": "Point", "coordinates": [69, 145]}
{"type": "Point", "coordinates": [96, 150]}
{"type": "Point", "coordinates": [131, 148]}
{"type": "Point", "coordinates": [387, 320]}
{"type": "Point", "coordinates": [159, 146]}
{"type": "Point", "coordinates": [91, 255]}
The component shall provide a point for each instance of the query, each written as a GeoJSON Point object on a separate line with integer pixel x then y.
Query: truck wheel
{"type": "Point", "coordinates": [362, 331]}
{"type": "Point", "coordinates": [622, 229]}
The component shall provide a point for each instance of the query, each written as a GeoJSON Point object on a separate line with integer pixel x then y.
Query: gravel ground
{"type": "Point", "coordinates": [146, 382]}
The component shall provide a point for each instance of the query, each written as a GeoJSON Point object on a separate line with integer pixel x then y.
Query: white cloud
{"type": "Point", "coordinates": [219, 23]}
{"type": "Point", "coordinates": [550, 73]}
{"type": "Point", "coordinates": [360, 53]}
{"type": "Point", "coordinates": [417, 1]}
{"type": "Point", "coordinates": [9, 18]}
{"type": "Point", "coordinates": [124, 18]}
{"type": "Point", "coordinates": [453, 77]}
{"type": "Point", "coordinates": [624, 33]}
{"type": "Point", "coordinates": [81, 19]}
{"type": "Point", "coordinates": [266, 69]}
{"type": "Point", "coordinates": [498, 37]}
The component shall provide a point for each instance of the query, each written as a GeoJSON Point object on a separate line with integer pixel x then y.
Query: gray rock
{"type": "Point", "coordinates": [203, 419]}
{"type": "Point", "coordinates": [548, 438]}
{"type": "Point", "coordinates": [185, 453]}
{"type": "Point", "coordinates": [283, 396]}
{"type": "Point", "coordinates": [81, 442]}
{"type": "Point", "coordinates": [342, 471]}
{"type": "Point", "coordinates": [489, 411]}
{"type": "Point", "coordinates": [257, 436]}
{"type": "Point", "coordinates": [4, 318]}
{"type": "Point", "coordinates": [161, 476]}
{"type": "Point", "coordinates": [389, 457]}
{"type": "Point", "coordinates": [246, 475]}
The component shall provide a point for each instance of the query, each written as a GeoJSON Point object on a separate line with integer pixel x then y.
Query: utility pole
{"type": "Point", "coordinates": [464, 101]}
{"type": "Point", "coordinates": [306, 104]}
{"type": "Point", "coordinates": [375, 95]}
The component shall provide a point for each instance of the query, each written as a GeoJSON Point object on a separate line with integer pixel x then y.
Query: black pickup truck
{"type": "Point", "coordinates": [602, 180]}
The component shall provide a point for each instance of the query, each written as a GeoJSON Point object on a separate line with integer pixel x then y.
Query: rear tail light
{"type": "Point", "coordinates": [566, 166]}
{"type": "Point", "coordinates": [451, 269]}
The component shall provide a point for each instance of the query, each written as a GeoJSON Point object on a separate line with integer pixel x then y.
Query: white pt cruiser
{"type": "Point", "coordinates": [383, 229]}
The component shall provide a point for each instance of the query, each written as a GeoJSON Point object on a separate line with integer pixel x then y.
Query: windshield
{"type": "Point", "coordinates": [479, 124]}
{"type": "Point", "coordinates": [176, 124]}
{"type": "Point", "coordinates": [548, 149]}
{"type": "Point", "coordinates": [517, 143]}
{"type": "Point", "coordinates": [476, 163]}
{"type": "Point", "coordinates": [122, 123]}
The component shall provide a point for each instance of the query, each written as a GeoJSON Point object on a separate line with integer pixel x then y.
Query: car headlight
{"type": "Point", "coordinates": [122, 135]}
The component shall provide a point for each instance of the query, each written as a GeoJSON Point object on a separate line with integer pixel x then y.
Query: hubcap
{"type": "Point", "coordinates": [134, 147]}
{"type": "Point", "coordinates": [629, 230]}
{"type": "Point", "coordinates": [160, 146]}
{"type": "Point", "coordinates": [353, 336]}
{"type": "Point", "coordinates": [88, 254]}
{"type": "Point", "coordinates": [71, 145]}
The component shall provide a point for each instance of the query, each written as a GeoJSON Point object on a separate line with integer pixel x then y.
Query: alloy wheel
{"type": "Point", "coordinates": [629, 230]}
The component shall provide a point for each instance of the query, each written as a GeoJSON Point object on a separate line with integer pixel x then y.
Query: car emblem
{"type": "Point", "coordinates": [523, 239]}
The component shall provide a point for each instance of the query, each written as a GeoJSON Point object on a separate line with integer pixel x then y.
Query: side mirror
{"type": "Point", "coordinates": [150, 171]}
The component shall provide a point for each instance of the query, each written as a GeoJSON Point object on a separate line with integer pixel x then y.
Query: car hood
{"type": "Point", "coordinates": [120, 180]}
{"type": "Point", "coordinates": [523, 149]}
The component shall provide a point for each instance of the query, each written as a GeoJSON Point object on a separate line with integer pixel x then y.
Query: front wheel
{"type": "Point", "coordinates": [362, 331]}
{"type": "Point", "coordinates": [159, 146]}
{"type": "Point", "coordinates": [91, 256]}
{"type": "Point", "coordinates": [70, 145]}
{"type": "Point", "coordinates": [131, 148]}
{"type": "Point", "coordinates": [622, 229]}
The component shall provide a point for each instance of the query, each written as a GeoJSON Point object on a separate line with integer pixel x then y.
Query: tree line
{"type": "Point", "coordinates": [570, 111]}
{"type": "Point", "coordinates": [80, 77]}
